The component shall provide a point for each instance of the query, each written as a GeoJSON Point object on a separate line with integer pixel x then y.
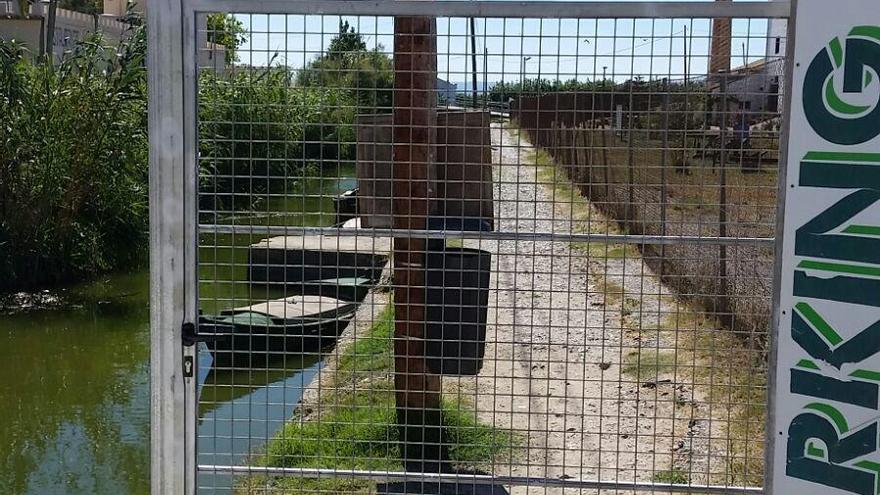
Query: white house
{"type": "Point", "coordinates": [758, 86]}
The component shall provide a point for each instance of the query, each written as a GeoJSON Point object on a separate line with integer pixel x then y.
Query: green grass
{"type": "Point", "coordinates": [648, 364]}
{"type": "Point", "coordinates": [358, 430]}
{"type": "Point", "coordinates": [672, 477]}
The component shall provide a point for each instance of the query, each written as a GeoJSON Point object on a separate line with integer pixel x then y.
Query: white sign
{"type": "Point", "coordinates": [827, 377]}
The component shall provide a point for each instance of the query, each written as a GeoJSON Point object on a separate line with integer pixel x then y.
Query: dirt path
{"type": "Point", "coordinates": [565, 327]}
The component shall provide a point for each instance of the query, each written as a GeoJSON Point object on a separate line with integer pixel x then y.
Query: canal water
{"type": "Point", "coordinates": [74, 394]}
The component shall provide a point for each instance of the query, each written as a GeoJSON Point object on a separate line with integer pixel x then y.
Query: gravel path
{"type": "Point", "coordinates": [561, 324]}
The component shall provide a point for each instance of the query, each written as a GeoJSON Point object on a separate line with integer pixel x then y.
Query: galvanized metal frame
{"type": "Point", "coordinates": [636, 239]}
{"type": "Point", "coordinates": [769, 449]}
{"type": "Point", "coordinates": [172, 61]}
{"type": "Point", "coordinates": [168, 251]}
{"type": "Point", "coordinates": [609, 10]}
{"type": "Point", "coordinates": [478, 479]}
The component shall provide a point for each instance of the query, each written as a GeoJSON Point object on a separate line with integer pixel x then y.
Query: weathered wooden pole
{"type": "Point", "coordinates": [414, 130]}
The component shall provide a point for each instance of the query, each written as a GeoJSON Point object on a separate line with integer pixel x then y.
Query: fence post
{"type": "Point", "coordinates": [722, 194]}
{"type": "Point", "coordinates": [171, 469]}
{"type": "Point", "coordinates": [605, 164]}
{"type": "Point", "coordinates": [417, 390]}
{"type": "Point", "coordinates": [663, 163]}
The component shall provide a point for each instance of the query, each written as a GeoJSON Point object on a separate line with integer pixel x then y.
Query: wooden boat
{"type": "Point", "coordinates": [293, 324]}
{"type": "Point", "coordinates": [289, 260]}
{"type": "Point", "coordinates": [352, 289]}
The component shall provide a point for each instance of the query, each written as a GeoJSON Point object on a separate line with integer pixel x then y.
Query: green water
{"type": "Point", "coordinates": [74, 399]}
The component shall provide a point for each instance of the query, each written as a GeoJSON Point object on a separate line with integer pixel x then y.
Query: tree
{"type": "Point", "coordinates": [346, 42]}
{"type": "Point", "coordinates": [227, 31]}
{"type": "Point", "coordinates": [348, 64]}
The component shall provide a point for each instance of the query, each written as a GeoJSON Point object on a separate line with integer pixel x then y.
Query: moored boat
{"type": "Point", "coordinates": [352, 289]}
{"type": "Point", "coordinates": [281, 326]}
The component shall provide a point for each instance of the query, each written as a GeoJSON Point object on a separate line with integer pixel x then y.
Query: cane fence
{"type": "Point", "coordinates": [518, 249]}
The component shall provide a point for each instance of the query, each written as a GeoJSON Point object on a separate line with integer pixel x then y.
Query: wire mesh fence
{"type": "Point", "coordinates": [485, 255]}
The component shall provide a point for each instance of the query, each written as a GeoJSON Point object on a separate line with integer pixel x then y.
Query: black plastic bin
{"type": "Point", "coordinates": [457, 301]}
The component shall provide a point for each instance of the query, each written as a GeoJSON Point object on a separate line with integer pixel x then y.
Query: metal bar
{"type": "Point", "coordinates": [414, 118]}
{"type": "Point", "coordinates": [477, 479]}
{"type": "Point", "coordinates": [278, 230]}
{"type": "Point", "coordinates": [722, 192]}
{"type": "Point", "coordinates": [775, 310]}
{"type": "Point", "coordinates": [546, 10]}
{"type": "Point", "coordinates": [191, 239]}
{"type": "Point", "coordinates": [167, 246]}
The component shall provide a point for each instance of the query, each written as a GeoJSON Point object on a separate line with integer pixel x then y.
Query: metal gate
{"type": "Point", "coordinates": [463, 247]}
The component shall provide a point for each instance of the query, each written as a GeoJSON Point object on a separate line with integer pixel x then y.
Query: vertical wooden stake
{"type": "Point", "coordinates": [414, 121]}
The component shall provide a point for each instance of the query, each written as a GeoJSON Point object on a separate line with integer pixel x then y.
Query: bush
{"type": "Point", "coordinates": [350, 66]}
{"type": "Point", "coordinates": [74, 152]}
{"type": "Point", "coordinates": [73, 155]}
{"type": "Point", "coordinates": [257, 125]}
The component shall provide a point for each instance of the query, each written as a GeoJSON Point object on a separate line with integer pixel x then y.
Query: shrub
{"type": "Point", "coordinates": [73, 155]}
{"type": "Point", "coordinates": [258, 131]}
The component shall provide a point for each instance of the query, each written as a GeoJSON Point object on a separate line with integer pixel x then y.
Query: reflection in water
{"type": "Point", "coordinates": [240, 409]}
{"type": "Point", "coordinates": [74, 399]}
{"type": "Point", "coordinates": [74, 402]}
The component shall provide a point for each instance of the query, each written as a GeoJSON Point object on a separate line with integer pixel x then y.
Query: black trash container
{"type": "Point", "coordinates": [457, 301]}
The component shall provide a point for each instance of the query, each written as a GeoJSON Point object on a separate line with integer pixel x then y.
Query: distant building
{"type": "Point", "coordinates": [756, 87]}
{"type": "Point", "coordinates": [30, 28]}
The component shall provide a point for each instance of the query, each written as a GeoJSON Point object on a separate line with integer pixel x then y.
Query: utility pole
{"type": "Point", "coordinates": [485, 69]}
{"type": "Point", "coordinates": [522, 73]}
{"type": "Point", "coordinates": [474, 59]}
{"type": "Point", "coordinates": [685, 43]}
{"type": "Point", "coordinates": [414, 117]}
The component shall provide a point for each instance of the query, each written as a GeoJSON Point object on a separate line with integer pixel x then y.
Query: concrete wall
{"type": "Point", "coordinates": [761, 91]}
{"type": "Point", "coordinates": [24, 30]}
{"type": "Point", "coordinates": [71, 27]}
{"type": "Point", "coordinates": [118, 7]}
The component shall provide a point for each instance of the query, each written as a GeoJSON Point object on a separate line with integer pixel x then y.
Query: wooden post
{"type": "Point", "coordinates": [414, 120]}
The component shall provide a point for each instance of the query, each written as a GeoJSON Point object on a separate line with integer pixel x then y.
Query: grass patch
{"type": "Point", "coordinates": [649, 364]}
{"type": "Point", "coordinates": [725, 366]}
{"type": "Point", "coordinates": [356, 427]}
{"type": "Point", "coordinates": [672, 477]}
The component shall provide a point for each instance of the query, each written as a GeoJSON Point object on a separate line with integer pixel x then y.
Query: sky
{"type": "Point", "coordinates": [561, 49]}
